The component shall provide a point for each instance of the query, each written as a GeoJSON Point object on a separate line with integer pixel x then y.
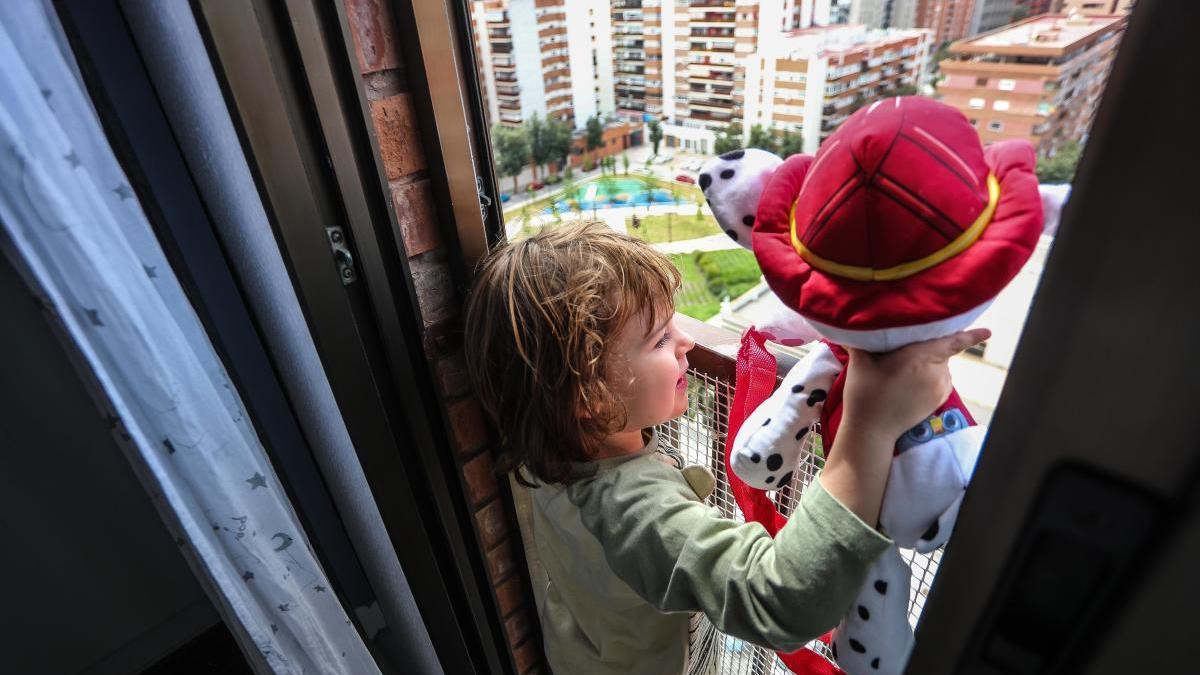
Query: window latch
{"type": "Point", "coordinates": [341, 255]}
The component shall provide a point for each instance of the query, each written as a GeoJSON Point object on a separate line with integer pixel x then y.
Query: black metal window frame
{"type": "Point", "coordinates": [288, 71]}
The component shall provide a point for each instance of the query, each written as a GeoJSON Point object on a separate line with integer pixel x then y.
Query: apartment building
{"type": "Point", "coordinates": [820, 75]}
{"type": "Point", "coordinates": [642, 52]}
{"type": "Point", "coordinates": [535, 56]}
{"type": "Point", "coordinates": [948, 19]}
{"type": "Point", "coordinates": [1039, 79]}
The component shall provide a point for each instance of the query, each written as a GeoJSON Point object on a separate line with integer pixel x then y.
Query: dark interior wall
{"type": "Point", "coordinates": [91, 580]}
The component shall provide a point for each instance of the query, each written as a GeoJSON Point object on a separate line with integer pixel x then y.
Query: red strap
{"type": "Point", "coordinates": [756, 376]}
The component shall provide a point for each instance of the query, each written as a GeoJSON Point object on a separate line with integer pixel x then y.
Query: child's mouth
{"type": "Point", "coordinates": [681, 383]}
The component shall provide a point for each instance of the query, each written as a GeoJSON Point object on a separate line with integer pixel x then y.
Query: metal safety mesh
{"type": "Point", "coordinates": [700, 436]}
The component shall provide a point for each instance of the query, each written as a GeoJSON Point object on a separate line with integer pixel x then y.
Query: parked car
{"type": "Point", "coordinates": [684, 178]}
{"type": "Point", "coordinates": [537, 185]}
{"type": "Point", "coordinates": [504, 197]}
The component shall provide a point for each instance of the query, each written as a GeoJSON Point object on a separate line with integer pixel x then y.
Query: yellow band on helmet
{"type": "Point", "coordinates": [907, 269]}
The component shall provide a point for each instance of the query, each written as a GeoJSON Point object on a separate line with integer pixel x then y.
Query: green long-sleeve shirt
{"type": "Point", "coordinates": [630, 552]}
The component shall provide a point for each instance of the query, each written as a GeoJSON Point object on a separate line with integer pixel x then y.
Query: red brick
{"type": "Point", "coordinates": [415, 214]}
{"type": "Point", "coordinates": [500, 560]}
{"type": "Point", "coordinates": [491, 523]}
{"type": "Point", "coordinates": [467, 425]}
{"type": "Point", "coordinates": [431, 279]}
{"type": "Point", "coordinates": [510, 595]}
{"type": "Point", "coordinates": [480, 479]}
{"type": "Point", "coordinates": [373, 29]}
{"type": "Point", "coordinates": [527, 657]}
{"type": "Point", "coordinates": [385, 83]}
{"type": "Point", "coordinates": [452, 375]}
{"type": "Point", "coordinates": [517, 628]}
{"type": "Point", "coordinates": [399, 141]}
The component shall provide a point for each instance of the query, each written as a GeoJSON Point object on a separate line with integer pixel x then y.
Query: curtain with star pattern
{"type": "Point", "coordinates": [72, 225]}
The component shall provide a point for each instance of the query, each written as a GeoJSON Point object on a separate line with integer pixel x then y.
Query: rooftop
{"type": "Point", "coordinates": [1049, 34]}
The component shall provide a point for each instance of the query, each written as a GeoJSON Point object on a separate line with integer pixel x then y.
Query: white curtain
{"type": "Point", "coordinates": [71, 223]}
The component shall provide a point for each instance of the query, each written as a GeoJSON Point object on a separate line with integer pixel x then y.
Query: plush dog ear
{"type": "Point", "coordinates": [1053, 199]}
{"type": "Point", "coordinates": [733, 184]}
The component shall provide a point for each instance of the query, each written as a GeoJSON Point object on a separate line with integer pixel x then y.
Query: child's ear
{"type": "Point", "coordinates": [733, 184]}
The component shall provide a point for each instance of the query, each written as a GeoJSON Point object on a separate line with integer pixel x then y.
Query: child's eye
{"type": "Point", "coordinates": [663, 342]}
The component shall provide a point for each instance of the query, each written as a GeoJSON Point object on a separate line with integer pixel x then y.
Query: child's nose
{"type": "Point", "coordinates": [686, 342]}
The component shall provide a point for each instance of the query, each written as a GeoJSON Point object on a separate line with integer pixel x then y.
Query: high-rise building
{"type": "Point", "coordinates": [1039, 79]}
{"type": "Point", "coordinates": [715, 66]}
{"type": "Point", "coordinates": [813, 79]}
{"type": "Point", "coordinates": [534, 56]}
{"type": "Point", "coordinates": [990, 15]}
{"type": "Point", "coordinates": [948, 19]}
{"type": "Point", "coordinates": [641, 53]}
{"type": "Point", "coordinates": [1028, 8]}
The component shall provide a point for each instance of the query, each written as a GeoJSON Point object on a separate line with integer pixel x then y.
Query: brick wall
{"type": "Point", "coordinates": [377, 47]}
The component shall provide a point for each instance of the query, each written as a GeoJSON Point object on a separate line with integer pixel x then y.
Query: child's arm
{"type": "Point", "coordinates": [679, 555]}
{"type": "Point", "coordinates": [886, 395]}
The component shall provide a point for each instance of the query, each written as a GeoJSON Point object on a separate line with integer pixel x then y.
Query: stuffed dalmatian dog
{"type": "Point", "coordinates": [901, 228]}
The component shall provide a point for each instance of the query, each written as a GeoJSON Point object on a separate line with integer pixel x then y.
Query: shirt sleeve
{"type": "Point", "coordinates": [680, 555]}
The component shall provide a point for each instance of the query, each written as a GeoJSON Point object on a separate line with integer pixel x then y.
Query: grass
{"type": "Point", "coordinates": [654, 229]}
{"type": "Point", "coordinates": [709, 277]}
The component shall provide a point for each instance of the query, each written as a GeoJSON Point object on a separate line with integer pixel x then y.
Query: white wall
{"type": "Point", "coordinates": [528, 56]}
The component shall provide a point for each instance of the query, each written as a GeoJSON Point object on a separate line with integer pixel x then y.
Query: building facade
{"type": "Point", "coordinates": [1039, 79]}
{"type": "Point", "coordinates": [535, 57]}
{"type": "Point", "coordinates": [818, 76]}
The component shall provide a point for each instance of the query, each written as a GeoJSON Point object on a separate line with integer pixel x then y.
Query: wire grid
{"type": "Point", "coordinates": [700, 436]}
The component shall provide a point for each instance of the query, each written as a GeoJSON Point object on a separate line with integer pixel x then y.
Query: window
{"type": "Point", "coordinates": [974, 121]}
{"type": "Point", "coordinates": [1006, 85]}
{"type": "Point", "coordinates": [1000, 105]}
{"type": "Point", "coordinates": [995, 125]}
{"type": "Point", "coordinates": [981, 82]}
{"type": "Point", "coordinates": [976, 103]}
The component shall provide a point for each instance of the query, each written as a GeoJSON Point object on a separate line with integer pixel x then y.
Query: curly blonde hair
{"type": "Point", "coordinates": [539, 327]}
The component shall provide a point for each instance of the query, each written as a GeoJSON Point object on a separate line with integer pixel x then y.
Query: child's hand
{"type": "Point", "coordinates": [885, 396]}
{"type": "Point", "coordinates": [893, 392]}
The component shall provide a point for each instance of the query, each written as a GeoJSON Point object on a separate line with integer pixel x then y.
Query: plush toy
{"type": "Point", "coordinates": [901, 228]}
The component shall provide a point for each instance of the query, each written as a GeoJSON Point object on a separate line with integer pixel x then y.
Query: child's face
{"type": "Point", "coordinates": [652, 372]}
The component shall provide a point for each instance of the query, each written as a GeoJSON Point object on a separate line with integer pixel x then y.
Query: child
{"type": "Point", "coordinates": [574, 352]}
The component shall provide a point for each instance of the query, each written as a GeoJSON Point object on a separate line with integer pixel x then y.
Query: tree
{"type": "Point", "coordinates": [539, 146]}
{"type": "Point", "coordinates": [595, 133]}
{"type": "Point", "coordinates": [790, 144]}
{"type": "Point", "coordinates": [729, 139]}
{"type": "Point", "coordinates": [656, 136]}
{"type": "Point", "coordinates": [625, 162]}
{"type": "Point", "coordinates": [1060, 168]}
{"type": "Point", "coordinates": [649, 182]}
{"type": "Point", "coordinates": [905, 90]}
{"type": "Point", "coordinates": [512, 151]}
{"type": "Point", "coordinates": [558, 142]}
{"type": "Point", "coordinates": [762, 139]}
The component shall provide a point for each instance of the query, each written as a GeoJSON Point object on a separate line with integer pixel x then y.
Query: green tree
{"type": "Point", "coordinates": [790, 144]}
{"type": "Point", "coordinates": [558, 142]}
{"type": "Point", "coordinates": [594, 133]}
{"type": "Point", "coordinates": [674, 190]}
{"type": "Point", "coordinates": [625, 162]}
{"type": "Point", "coordinates": [1061, 167]}
{"type": "Point", "coordinates": [649, 182]}
{"type": "Point", "coordinates": [656, 135]}
{"type": "Point", "coordinates": [729, 139]}
{"type": "Point", "coordinates": [905, 90]}
{"type": "Point", "coordinates": [762, 139]}
{"type": "Point", "coordinates": [512, 151]}
{"type": "Point", "coordinates": [539, 146]}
